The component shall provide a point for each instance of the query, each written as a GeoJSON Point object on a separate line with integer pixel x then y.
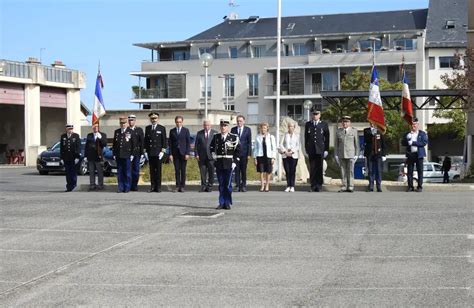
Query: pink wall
{"type": "Point", "coordinates": [52, 97]}
{"type": "Point", "coordinates": [11, 93]}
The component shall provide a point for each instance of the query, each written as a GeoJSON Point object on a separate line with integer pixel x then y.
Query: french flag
{"type": "Point", "coordinates": [99, 108]}
{"type": "Point", "coordinates": [406, 108]}
{"type": "Point", "coordinates": [375, 114]}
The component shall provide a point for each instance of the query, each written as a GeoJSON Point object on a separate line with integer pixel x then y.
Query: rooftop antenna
{"type": "Point", "coordinates": [232, 15]}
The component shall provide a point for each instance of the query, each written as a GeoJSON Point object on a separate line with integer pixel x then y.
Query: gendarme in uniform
{"type": "Point", "coordinates": [225, 148]}
{"type": "Point", "coordinates": [70, 150]}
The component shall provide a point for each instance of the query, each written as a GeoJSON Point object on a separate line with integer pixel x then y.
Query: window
{"type": "Point", "coordinates": [299, 49]}
{"type": "Point", "coordinates": [258, 51]}
{"type": "Point", "coordinates": [427, 167]}
{"type": "Point", "coordinates": [203, 93]}
{"type": "Point", "coordinates": [295, 111]}
{"type": "Point", "coordinates": [404, 44]}
{"type": "Point", "coordinates": [329, 81]}
{"type": "Point", "coordinates": [285, 50]}
{"type": "Point", "coordinates": [253, 84]}
{"type": "Point", "coordinates": [432, 63]}
{"type": "Point", "coordinates": [229, 85]}
{"type": "Point", "coordinates": [252, 112]}
{"type": "Point", "coordinates": [450, 24]}
{"type": "Point", "coordinates": [204, 50]}
{"type": "Point", "coordinates": [229, 106]}
{"type": "Point", "coordinates": [233, 52]}
{"type": "Point", "coordinates": [446, 62]}
{"type": "Point", "coordinates": [179, 55]}
{"type": "Point", "coordinates": [367, 45]}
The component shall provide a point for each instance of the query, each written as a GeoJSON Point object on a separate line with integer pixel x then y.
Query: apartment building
{"type": "Point", "coordinates": [318, 51]}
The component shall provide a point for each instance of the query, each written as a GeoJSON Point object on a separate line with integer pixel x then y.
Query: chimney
{"type": "Point", "coordinates": [58, 64]}
{"type": "Point", "coordinates": [32, 60]}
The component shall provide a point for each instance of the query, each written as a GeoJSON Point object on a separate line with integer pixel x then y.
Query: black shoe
{"type": "Point", "coordinates": [133, 189]}
{"type": "Point", "coordinates": [100, 187]}
{"type": "Point", "coordinates": [158, 190]}
{"type": "Point", "coordinates": [151, 190]}
{"type": "Point", "coordinates": [370, 189]}
{"type": "Point", "coordinates": [181, 190]}
{"type": "Point", "coordinates": [410, 189]}
{"type": "Point", "coordinates": [220, 207]}
{"type": "Point", "coordinates": [226, 207]}
{"type": "Point", "coordinates": [202, 189]}
{"type": "Point", "coordinates": [379, 189]}
{"type": "Point", "coordinates": [419, 189]}
{"type": "Point", "coordinates": [244, 189]}
{"type": "Point", "coordinates": [350, 190]}
{"type": "Point", "coordinates": [342, 190]}
{"type": "Point", "coordinates": [92, 188]}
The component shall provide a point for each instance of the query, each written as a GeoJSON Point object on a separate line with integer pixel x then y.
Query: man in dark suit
{"type": "Point", "coordinates": [374, 152]}
{"type": "Point", "coordinates": [70, 152]}
{"type": "Point", "coordinates": [316, 138]}
{"type": "Point", "coordinates": [155, 146]}
{"type": "Point", "coordinates": [204, 157]}
{"type": "Point", "coordinates": [123, 146]}
{"type": "Point", "coordinates": [180, 147]}
{"type": "Point", "coordinates": [245, 136]}
{"type": "Point", "coordinates": [139, 136]}
{"type": "Point", "coordinates": [415, 141]}
{"type": "Point", "coordinates": [95, 144]}
{"type": "Point", "coordinates": [225, 149]}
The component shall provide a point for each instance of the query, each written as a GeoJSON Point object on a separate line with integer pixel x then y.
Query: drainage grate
{"type": "Point", "coordinates": [201, 214]}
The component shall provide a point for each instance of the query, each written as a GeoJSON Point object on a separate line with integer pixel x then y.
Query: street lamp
{"type": "Point", "coordinates": [206, 61]}
{"type": "Point", "coordinates": [374, 39]}
{"type": "Point", "coordinates": [307, 104]}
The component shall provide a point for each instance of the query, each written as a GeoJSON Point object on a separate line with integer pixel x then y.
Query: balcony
{"type": "Point", "coordinates": [15, 69]}
{"type": "Point", "coordinates": [150, 93]}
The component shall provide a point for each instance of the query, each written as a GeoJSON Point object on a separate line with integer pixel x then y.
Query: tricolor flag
{"type": "Point", "coordinates": [375, 113]}
{"type": "Point", "coordinates": [406, 108]}
{"type": "Point", "coordinates": [99, 108]}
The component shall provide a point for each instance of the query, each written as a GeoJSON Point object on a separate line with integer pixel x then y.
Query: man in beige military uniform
{"type": "Point", "coordinates": [346, 152]}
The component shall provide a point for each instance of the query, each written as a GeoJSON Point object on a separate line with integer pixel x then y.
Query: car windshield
{"type": "Point", "coordinates": [55, 147]}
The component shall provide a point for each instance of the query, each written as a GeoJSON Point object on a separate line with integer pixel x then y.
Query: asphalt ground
{"type": "Point", "coordinates": [271, 249]}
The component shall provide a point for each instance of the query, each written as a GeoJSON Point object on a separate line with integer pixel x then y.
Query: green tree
{"type": "Point", "coordinates": [456, 127]}
{"type": "Point", "coordinates": [360, 80]}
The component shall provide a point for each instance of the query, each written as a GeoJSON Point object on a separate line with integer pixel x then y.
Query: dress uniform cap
{"type": "Point", "coordinates": [69, 126]}
{"type": "Point", "coordinates": [123, 119]}
{"type": "Point", "coordinates": [224, 122]}
{"type": "Point", "coordinates": [346, 118]}
{"type": "Point", "coordinates": [132, 117]}
{"type": "Point", "coordinates": [153, 115]}
{"type": "Point", "coordinates": [315, 111]}
{"type": "Point", "coordinates": [415, 120]}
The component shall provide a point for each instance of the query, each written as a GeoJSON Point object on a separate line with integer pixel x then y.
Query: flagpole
{"type": "Point", "coordinates": [277, 113]}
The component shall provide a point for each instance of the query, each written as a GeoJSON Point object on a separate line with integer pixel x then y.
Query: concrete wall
{"type": "Point", "coordinates": [52, 125]}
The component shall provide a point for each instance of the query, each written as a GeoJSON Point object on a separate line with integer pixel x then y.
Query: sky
{"type": "Point", "coordinates": [82, 33]}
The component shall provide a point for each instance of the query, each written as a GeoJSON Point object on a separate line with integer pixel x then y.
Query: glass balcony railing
{"type": "Point", "coordinates": [15, 69]}
{"type": "Point", "coordinates": [150, 93]}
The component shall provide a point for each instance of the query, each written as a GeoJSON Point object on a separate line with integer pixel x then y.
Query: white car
{"type": "Point", "coordinates": [431, 173]}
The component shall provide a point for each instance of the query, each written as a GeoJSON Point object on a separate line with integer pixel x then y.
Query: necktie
{"type": "Point", "coordinates": [68, 136]}
{"type": "Point", "coordinates": [206, 135]}
{"type": "Point", "coordinates": [240, 131]}
{"type": "Point", "coordinates": [179, 130]}
{"type": "Point", "coordinates": [153, 127]}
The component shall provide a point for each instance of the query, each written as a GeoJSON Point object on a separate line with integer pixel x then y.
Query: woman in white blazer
{"type": "Point", "coordinates": [264, 154]}
{"type": "Point", "coordinates": [289, 149]}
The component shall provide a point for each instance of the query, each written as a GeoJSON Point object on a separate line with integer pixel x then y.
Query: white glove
{"type": "Point", "coordinates": [337, 159]}
{"type": "Point", "coordinates": [325, 154]}
{"type": "Point", "coordinates": [160, 156]}
{"type": "Point", "coordinates": [409, 136]}
{"type": "Point", "coordinates": [115, 158]}
{"type": "Point", "coordinates": [214, 155]}
{"type": "Point", "coordinates": [410, 142]}
{"type": "Point", "coordinates": [146, 155]}
{"type": "Point", "coordinates": [355, 157]}
{"type": "Point", "coordinates": [233, 166]}
{"type": "Point", "coordinates": [99, 136]}
{"type": "Point", "coordinates": [384, 158]}
{"type": "Point", "coordinates": [76, 161]}
{"type": "Point", "coordinates": [62, 162]}
{"type": "Point", "coordinates": [131, 157]}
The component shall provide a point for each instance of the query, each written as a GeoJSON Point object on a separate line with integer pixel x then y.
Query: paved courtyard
{"type": "Point", "coordinates": [271, 249]}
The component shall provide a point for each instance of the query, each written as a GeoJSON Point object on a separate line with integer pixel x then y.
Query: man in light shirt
{"type": "Point", "coordinates": [415, 142]}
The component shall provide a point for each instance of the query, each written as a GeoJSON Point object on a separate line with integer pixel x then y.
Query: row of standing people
{"type": "Point", "coordinates": [130, 142]}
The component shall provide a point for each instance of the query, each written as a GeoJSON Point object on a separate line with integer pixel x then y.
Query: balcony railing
{"type": "Point", "coordinates": [15, 69]}
{"type": "Point", "coordinates": [57, 75]}
{"type": "Point", "coordinates": [150, 93]}
{"type": "Point", "coordinates": [272, 89]}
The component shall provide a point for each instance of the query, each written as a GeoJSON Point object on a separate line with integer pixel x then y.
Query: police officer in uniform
{"type": "Point", "coordinates": [123, 146]}
{"type": "Point", "coordinates": [139, 137]}
{"type": "Point", "coordinates": [316, 137]}
{"type": "Point", "coordinates": [225, 148]}
{"type": "Point", "coordinates": [155, 146]}
{"type": "Point", "coordinates": [70, 151]}
{"type": "Point", "coordinates": [374, 152]}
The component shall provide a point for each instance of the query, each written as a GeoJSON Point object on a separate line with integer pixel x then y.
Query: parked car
{"type": "Point", "coordinates": [431, 173]}
{"type": "Point", "coordinates": [50, 160]}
